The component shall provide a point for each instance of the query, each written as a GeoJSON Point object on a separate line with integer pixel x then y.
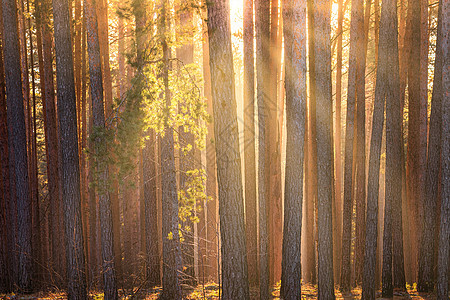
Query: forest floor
{"type": "Point", "coordinates": [211, 291]}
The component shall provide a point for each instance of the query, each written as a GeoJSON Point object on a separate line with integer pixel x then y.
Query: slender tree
{"type": "Point", "coordinates": [100, 146]}
{"type": "Point", "coordinates": [249, 142]}
{"type": "Point", "coordinates": [273, 154]}
{"type": "Point", "coordinates": [393, 165]}
{"type": "Point", "coordinates": [337, 233]}
{"type": "Point", "coordinates": [231, 207]}
{"type": "Point", "coordinates": [294, 14]}
{"type": "Point", "coordinates": [151, 213]}
{"type": "Point", "coordinates": [18, 142]}
{"type": "Point", "coordinates": [70, 172]}
{"type": "Point", "coordinates": [386, 90]}
{"type": "Point", "coordinates": [212, 252]}
{"type": "Point", "coordinates": [444, 237]}
{"type": "Point", "coordinates": [52, 146]}
{"type": "Point", "coordinates": [360, 194]}
{"type": "Point", "coordinates": [171, 239]}
{"type": "Point", "coordinates": [356, 44]}
{"type": "Point", "coordinates": [322, 52]}
{"type": "Point", "coordinates": [427, 263]}
{"type": "Point", "coordinates": [414, 156]}
{"type": "Point", "coordinates": [5, 189]}
{"type": "Point", "coordinates": [185, 54]}
{"type": "Point", "coordinates": [262, 30]}
{"type": "Point", "coordinates": [311, 159]}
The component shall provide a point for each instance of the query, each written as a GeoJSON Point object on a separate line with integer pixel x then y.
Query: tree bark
{"type": "Point", "coordinates": [262, 30]}
{"type": "Point", "coordinates": [414, 156]}
{"type": "Point", "coordinates": [101, 151]}
{"type": "Point", "coordinates": [249, 145]}
{"type": "Point", "coordinates": [354, 74]}
{"type": "Point", "coordinates": [311, 159]}
{"type": "Point", "coordinates": [212, 252]}
{"type": "Point", "coordinates": [69, 152]}
{"type": "Point", "coordinates": [427, 266]}
{"type": "Point", "coordinates": [444, 238]}
{"type": "Point", "coordinates": [294, 14]}
{"type": "Point", "coordinates": [385, 90]}
{"type": "Point", "coordinates": [322, 52]}
{"type": "Point", "coordinates": [5, 189]}
{"type": "Point", "coordinates": [171, 239]}
{"type": "Point", "coordinates": [231, 206]}
{"type": "Point", "coordinates": [18, 142]}
{"type": "Point", "coordinates": [393, 185]}
{"type": "Point", "coordinates": [337, 234]}
{"type": "Point", "coordinates": [273, 154]}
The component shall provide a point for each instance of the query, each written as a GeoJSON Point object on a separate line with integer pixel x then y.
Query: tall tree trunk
{"type": "Point", "coordinates": [5, 188]}
{"type": "Point", "coordinates": [212, 253]}
{"type": "Point", "coordinates": [93, 257]}
{"type": "Point", "coordinates": [444, 244]}
{"type": "Point", "coordinates": [34, 183]}
{"type": "Point", "coordinates": [249, 145]}
{"type": "Point", "coordinates": [101, 151]}
{"type": "Point", "coordinates": [294, 14]}
{"type": "Point", "coordinates": [273, 154]}
{"type": "Point", "coordinates": [414, 153]}
{"type": "Point", "coordinates": [69, 152]}
{"type": "Point", "coordinates": [404, 37]}
{"type": "Point", "coordinates": [386, 89]}
{"type": "Point", "coordinates": [18, 142]}
{"type": "Point", "coordinates": [360, 196]}
{"type": "Point", "coordinates": [185, 53]}
{"type": "Point", "coordinates": [337, 233]}
{"type": "Point", "coordinates": [428, 247]}
{"type": "Point", "coordinates": [311, 159]}
{"type": "Point", "coordinates": [354, 74]}
{"type": "Point", "coordinates": [151, 214]}
{"type": "Point", "coordinates": [393, 185]}
{"type": "Point", "coordinates": [262, 26]}
{"type": "Point", "coordinates": [171, 239]}
{"type": "Point", "coordinates": [322, 52]}
{"type": "Point", "coordinates": [231, 206]}
{"type": "Point", "coordinates": [53, 154]}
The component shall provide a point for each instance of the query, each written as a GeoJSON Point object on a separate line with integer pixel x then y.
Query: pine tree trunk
{"type": "Point", "coordinates": [360, 196]}
{"type": "Point", "coordinates": [170, 235]}
{"type": "Point", "coordinates": [311, 159]}
{"type": "Point", "coordinates": [18, 142]}
{"type": "Point", "coordinates": [294, 14]}
{"type": "Point", "coordinates": [428, 247]}
{"type": "Point", "coordinates": [262, 30]}
{"type": "Point", "coordinates": [212, 252]}
{"type": "Point", "coordinates": [5, 189]}
{"type": "Point", "coordinates": [231, 206]}
{"type": "Point", "coordinates": [249, 146]}
{"type": "Point", "coordinates": [337, 233]}
{"type": "Point", "coordinates": [386, 88]}
{"type": "Point", "coordinates": [185, 53]}
{"type": "Point", "coordinates": [354, 74]}
{"type": "Point", "coordinates": [273, 157]}
{"type": "Point", "coordinates": [393, 174]}
{"type": "Point", "coordinates": [98, 115]}
{"type": "Point", "coordinates": [151, 213]}
{"type": "Point", "coordinates": [322, 52]}
{"type": "Point", "coordinates": [414, 157]}
{"type": "Point", "coordinates": [69, 152]}
{"type": "Point", "coordinates": [444, 244]}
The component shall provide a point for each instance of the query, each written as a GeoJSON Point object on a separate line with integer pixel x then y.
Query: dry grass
{"type": "Point", "coordinates": [211, 291]}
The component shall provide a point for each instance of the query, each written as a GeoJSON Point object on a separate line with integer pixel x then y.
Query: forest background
{"type": "Point", "coordinates": [227, 149]}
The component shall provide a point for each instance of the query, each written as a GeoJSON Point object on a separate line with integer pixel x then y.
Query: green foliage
{"type": "Point", "coordinates": [101, 141]}
{"type": "Point", "coordinates": [143, 108]}
{"type": "Point", "coordinates": [192, 196]}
